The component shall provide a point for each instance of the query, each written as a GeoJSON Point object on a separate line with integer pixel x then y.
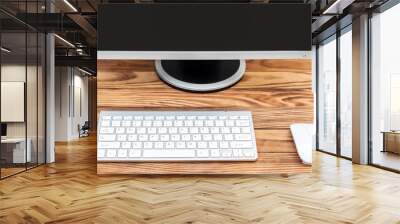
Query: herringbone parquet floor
{"type": "Point", "coordinates": [69, 191]}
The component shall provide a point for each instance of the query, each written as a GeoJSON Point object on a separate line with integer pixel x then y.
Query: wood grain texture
{"type": "Point", "coordinates": [278, 92]}
{"type": "Point", "coordinates": [70, 191]}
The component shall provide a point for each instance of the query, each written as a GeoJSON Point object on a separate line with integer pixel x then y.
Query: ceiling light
{"type": "Point", "coordinates": [84, 71]}
{"type": "Point", "coordinates": [337, 7]}
{"type": "Point", "coordinates": [5, 50]}
{"type": "Point", "coordinates": [70, 5]}
{"type": "Point", "coordinates": [65, 41]}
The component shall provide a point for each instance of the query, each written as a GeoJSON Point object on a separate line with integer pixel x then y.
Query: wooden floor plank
{"type": "Point", "coordinates": [70, 191]}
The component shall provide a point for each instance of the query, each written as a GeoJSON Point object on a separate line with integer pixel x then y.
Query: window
{"type": "Point", "coordinates": [327, 96]}
{"type": "Point", "coordinates": [346, 93]}
{"type": "Point", "coordinates": [385, 88]}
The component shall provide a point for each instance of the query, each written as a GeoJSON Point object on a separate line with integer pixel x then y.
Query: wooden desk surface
{"type": "Point", "coordinates": [278, 92]}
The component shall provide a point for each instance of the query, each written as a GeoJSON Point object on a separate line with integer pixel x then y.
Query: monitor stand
{"type": "Point", "coordinates": [200, 75]}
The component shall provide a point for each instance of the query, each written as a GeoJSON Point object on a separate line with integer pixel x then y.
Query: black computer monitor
{"type": "Point", "coordinates": [203, 46]}
{"type": "Point", "coordinates": [3, 129]}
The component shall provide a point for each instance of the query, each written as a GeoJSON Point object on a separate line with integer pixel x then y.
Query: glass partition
{"type": "Point", "coordinates": [13, 94]}
{"type": "Point", "coordinates": [23, 89]}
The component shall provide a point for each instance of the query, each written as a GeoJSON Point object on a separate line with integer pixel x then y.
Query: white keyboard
{"type": "Point", "coordinates": [176, 136]}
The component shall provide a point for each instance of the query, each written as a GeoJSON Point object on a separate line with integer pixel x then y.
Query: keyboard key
{"type": "Point", "coordinates": [152, 130]}
{"type": "Point", "coordinates": [219, 123]}
{"type": "Point", "coordinates": [213, 145]}
{"type": "Point", "coordinates": [170, 145]}
{"type": "Point", "coordinates": [117, 118]}
{"type": "Point", "coordinates": [245, 130]}
{"type": "Point", "coordinates": [207, 137]}
{"type": "Point", "coordinates": [186, 137]}
{"type": "Point", "coordinates": [237, 152]}
{"type": "Point", "coordinates": [196, 137]}
{"type": "Point", "coordinates": [101, 153]}
{"type": "Point", "coordinates": [141, 130]}
{"type": "Point", "coordinates": [121, 138]}
{"type": "Point", "coordinates": [249, 153]}
{"type": "Point", "coordinates": [242, 123]}
{"type": "Point", "coordinates": [131, 130]}
{"type": "Point", "coordinates": [235, 130]}
{"type": "Point", "coordinates": [162, 130]}
{"type": "Point", "coordinates": [106, 130]}
{"type": "Point", "coordinates": [148, 145]}
{"type": "Point", "coordinates": [224, 145]}
{"type": "Point", "coordinates": [226, 152]}
{"type": "Point", "coordinates": [242, 137]}
{"type": "Point", "coordinates": [167, 123]}
{"type": "Point", "coordinates": [137, 145]}
{"type": "Point", "coordinates": [105, 123]}
{"type": "Point", "coordinates": [120, 130]}
{"type": "Point", "coordinates": [116, 123]}
{"type": "Point", "coordinates": [214, 130]}
{"type": "Point", "coordinates": [108, 145]}
{"type": "Point", "coordinates": [147, 123]}
{"type": "Point", "coordinates": [218, 137]}
{"type": "Point", "coordinates": [134, 153]}
{"type": "Point", "coordinates": [143, 138]}
{"type": "Point", "coordinates": [126, 145]}
{"type": "Point", "coordinates": [122, 153]}
{"type": "Point", "coordinates": [175, 137]}
{"type": "Point", "coordinates": [126, 123]}
{"type": "Point", "coordinates": [204, 130]}
{"type": "Point", "coordinates": [202, 145]}
{"type": "Point", "coordinates": [132, 138]}
{"type": "Point", "coordinates": [182, 153]}
{"type": "Point", "coordinates": [159, 118]}
{"type": "Point", "coordinates": [214, 152]}
{"type": "Point", "coordinates": [180, 145]}
{"type": "Point", "coordinates": [106, 137]}
{"type": "Point", "coordinates": [138, 118]}
{"type": "Point", "coordinates": [172, 130]}
{"type": "Point", "coordinates": [191, 145]}
{"type": "Point", "coordinates": [159, 145]}
{"type": "Point", "coordinates": [202, 153]}
{"type": "Point", "coordinates": [193, 130]}
{"type": "Point", "coordinates": [164, 137]}
{"type": "Point", "coordinates": [241, 144]}
{"type": "Point", "coordinates": [154, 137]}
{"type": "Point", "coordinates": [199, 123]}
{"type": "Point", "coordinates": [128, 118]}
{"type": "Point", "coordinates": [111, 153]}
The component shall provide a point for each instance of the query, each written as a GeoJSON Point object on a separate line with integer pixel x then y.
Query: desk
{"type": "Point", "coordinates": [278, 92]}
{"type": "Point", "coordinates": [18, 151]}
{"type": "Point", "coordinates": [391, 141]}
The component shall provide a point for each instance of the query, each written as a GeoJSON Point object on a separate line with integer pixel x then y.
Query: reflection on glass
{"type": "Point", "coordinates": [385, 83]}
{"type": "Point", "coordinates": [346, 94]}
{"type": "Point", "coordinates": [327, 96]}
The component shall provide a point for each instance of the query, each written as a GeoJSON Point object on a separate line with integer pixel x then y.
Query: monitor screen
{"type": "Point", "coordinates": [204, 27]}
{"type": "Point", "coordinates": [3, 129]}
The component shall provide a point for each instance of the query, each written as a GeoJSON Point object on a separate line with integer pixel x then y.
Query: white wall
{"type": "Point", "coordinates": [71, 94]}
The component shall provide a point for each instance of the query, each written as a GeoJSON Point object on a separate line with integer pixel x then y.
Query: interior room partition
{"type": "Point", "coordinates": [23, 87]}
